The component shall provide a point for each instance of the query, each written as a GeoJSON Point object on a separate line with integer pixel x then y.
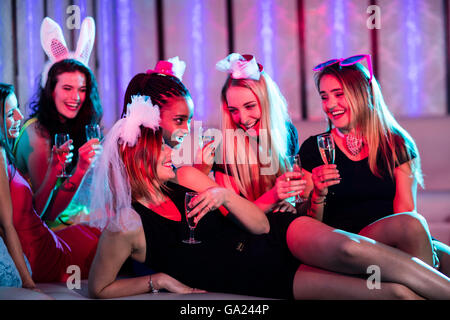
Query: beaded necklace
{"type": "Point", "coordinates": [353, 143]}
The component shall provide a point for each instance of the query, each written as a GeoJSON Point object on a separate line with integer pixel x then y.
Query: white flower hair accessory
{"type": "Point", "coordinates": [140, 111]}
{"type": "Point", "coordinates": [240, 66]}
{"type": "Point", "coordinates": [54, 44]}
{"type": "Point", "coordinates": [172, 67]}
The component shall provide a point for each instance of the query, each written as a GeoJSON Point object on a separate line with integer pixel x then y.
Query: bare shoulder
{"type": "Point", "coordinates": [34, 142]}
{"type": "Point", "coordinates": [194, 179]}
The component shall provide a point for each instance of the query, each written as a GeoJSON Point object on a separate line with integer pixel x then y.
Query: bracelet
{"type": "Point", "coordinates": [151, 287]}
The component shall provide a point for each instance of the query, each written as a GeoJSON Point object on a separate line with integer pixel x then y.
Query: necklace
{"type": "Point", "coordinates": [353, 143]}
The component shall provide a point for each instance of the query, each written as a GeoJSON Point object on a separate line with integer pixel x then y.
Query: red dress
{"type": "Point", "coordinates": [49, 253]}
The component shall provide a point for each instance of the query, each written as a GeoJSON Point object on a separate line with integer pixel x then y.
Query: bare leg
{"type": "Point", "coordinates": [319, 245]}
{"type": "Point", "coordinates": [405, 231]}
{"type": "Point", "coordinates": [314, 283]}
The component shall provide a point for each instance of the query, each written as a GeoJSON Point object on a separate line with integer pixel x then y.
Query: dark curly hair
{"type": "Point", "coordinates": [159, 87]}
{"type": "Point", "coordinates": [44, 109]}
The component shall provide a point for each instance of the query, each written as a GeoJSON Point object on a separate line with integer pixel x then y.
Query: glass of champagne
{"type": "Point", "coordinates": [207, 136]}
{"type": "Point", "coordinates": [326, 147]}
{"type": "Point", "coordinates": [60, 139]}
{"type": "Point", "coordinates": [294, 165]}
{"type": "Point", "coordinates": [92, 131]}
{"type": "Point", "coordinates": [190, 221]}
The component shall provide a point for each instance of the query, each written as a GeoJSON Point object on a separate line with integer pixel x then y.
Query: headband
{"type": "Point", "coordinates": [240, 66]}
{"type": "Point", "coordinates": [54, 45]}
{"type": "Point", "coordinates": [172, 67]}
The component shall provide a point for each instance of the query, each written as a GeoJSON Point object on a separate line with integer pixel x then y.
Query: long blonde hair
{"type": "Point", "coordinates": [242, 162]}
{"type": "Point", "coordinates": [374, 122]}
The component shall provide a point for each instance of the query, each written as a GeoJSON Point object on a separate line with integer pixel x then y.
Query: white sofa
{"type": "Point", "coordinates": [60, 291]}
{"type": "Point", "coordinates": [432, 136]}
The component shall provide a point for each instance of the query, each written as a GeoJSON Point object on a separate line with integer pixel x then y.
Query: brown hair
{"type": "Point", "coordinates": [140, 163]}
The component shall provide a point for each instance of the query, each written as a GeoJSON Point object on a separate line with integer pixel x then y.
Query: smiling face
{"type": "Point", "coordinates": [335, 104]}
{"type": "Point", "coordinates": [176, 117]}
{"type": "Point", "coordinates": [69, 94]}
{"type": "Point", "coordinates": [244, 108]}
{"type": "Point", "coordinates": [13, 116]}
{"type": "Point", "coordinates": [164, 168]}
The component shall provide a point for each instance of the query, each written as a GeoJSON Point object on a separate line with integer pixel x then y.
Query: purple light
{"type": "Point", "coordinates": [197, 45]}
{"type": "Point", "coordinates": [413, 41]}
{"type": "Point", "coordinates": [267, 38]}
{"type": "Point", "coordinates": [124, 56]}
{"type": "Point", "coordinates": [339, 28]}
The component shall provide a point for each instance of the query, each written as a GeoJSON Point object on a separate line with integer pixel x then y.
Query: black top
{"type": "Point", "coordinates": [229, 259]}
{"type": "Point", "coordinates": [360, 198]}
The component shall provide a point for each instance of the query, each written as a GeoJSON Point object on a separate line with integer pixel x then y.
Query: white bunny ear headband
{"type": "Point", "coordinates": [54, 45]}
{"type": "Point", "coordinates": [240, 66]}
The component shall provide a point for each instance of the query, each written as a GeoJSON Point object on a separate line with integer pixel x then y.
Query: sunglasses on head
{"type": "Point", "coordinates": [347, 62]}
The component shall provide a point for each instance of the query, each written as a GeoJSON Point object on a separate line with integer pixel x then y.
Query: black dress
{"type": "Point", "coordinates": [360, 198]}
{"type": "Point", "coordinates": [229, 259]}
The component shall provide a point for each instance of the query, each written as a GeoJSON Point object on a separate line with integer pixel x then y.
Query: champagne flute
{"type": "Point", "coordinates": [190, 221]}
{"type": "Point", "coordinates": [294, 165]}
{"type": "Point", "coordinates": [92, 131]}
{"type": "Point", "coordinates": [60, 139]}
{"type": "Point", "coordinates": [207, 137]}
{"type": "Point", "coordinates": [326, 147]}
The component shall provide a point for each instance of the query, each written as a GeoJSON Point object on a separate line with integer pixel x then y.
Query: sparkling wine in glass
{"type": "Point", "coordinates": [326, 147]}
{"type": "Point", "coordinates": [92, 131]}
{"type": "Point", "coordinates": [294, 165]}
{"type": "Point", "coordinates": [190, 221]}
{"type": "Point", "coordinates": [60, 139]}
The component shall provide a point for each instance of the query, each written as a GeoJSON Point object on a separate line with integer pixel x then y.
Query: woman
{"type": "Point", "coordinates": [140, 214]}
{"type": "Point", "coordinates": [163, 85]}
{"type": "Point", "coordinates": [49, 253]}
{"type": "Point", "coordinates": [67, 103]}
{"type": "Point", "coordinates": [67, 100]}
{"type": "Point", "coordinates": [376, 160]}
{"type": "Point", "coordinates": [254, 113]}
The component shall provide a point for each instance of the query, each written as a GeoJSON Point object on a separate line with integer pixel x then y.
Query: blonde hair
{"type": "Point", "coordinates": [373, 121]}
{"type": "Point", "coordinates": [242, 162]}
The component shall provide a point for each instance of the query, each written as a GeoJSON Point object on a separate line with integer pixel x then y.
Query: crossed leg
{"type": "Point", "coordinates": [321, 246]}
{"type": "Point", "coordinates": [314, 283]}
{"type": "Point", "coordinates": [405, 231]}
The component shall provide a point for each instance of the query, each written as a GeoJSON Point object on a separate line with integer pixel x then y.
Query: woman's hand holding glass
{"type": "Point", "coordinates": [288, 185]}
{"type": "Point", "coordinates": [323, 177]}
{"type": "Point", "coordinates": [88, 153]}
{"type": "Point", "coordinates": [61, 154]}
{"type": "Point", "coordinates": [209, 200]}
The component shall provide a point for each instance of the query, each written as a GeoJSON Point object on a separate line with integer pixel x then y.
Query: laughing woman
{"type": "Point", "coordinates": [371, 188]}
{"type": "Point", "coordinates": [49, 253]}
